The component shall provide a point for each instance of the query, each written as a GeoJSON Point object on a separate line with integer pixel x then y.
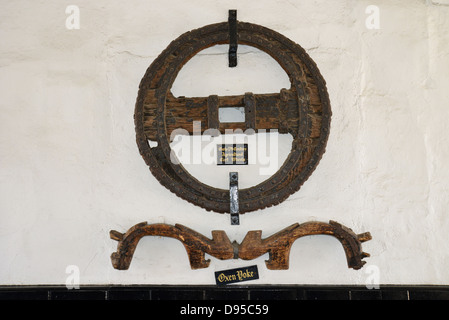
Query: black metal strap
{"type": "Point", "coordinates": [232, 20]}
{"type": "Point", "coordinates": [234, 197]}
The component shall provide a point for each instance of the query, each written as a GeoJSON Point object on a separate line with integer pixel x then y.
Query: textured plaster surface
{"type": "Point", "coordinates": [70, 170]}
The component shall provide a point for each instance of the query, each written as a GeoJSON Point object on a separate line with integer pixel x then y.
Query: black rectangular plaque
{"type": "Point", "coordinates": [236, 275]}
{"type": "Point", "coordinates": [232, 154]}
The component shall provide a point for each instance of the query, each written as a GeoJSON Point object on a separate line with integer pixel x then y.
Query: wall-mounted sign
{"type": "Point", "coordinates": [232, 154]}
{"type": "Point", "coordinates": [236, 275]}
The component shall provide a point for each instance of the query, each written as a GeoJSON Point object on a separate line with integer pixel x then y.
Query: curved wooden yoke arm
{"type": "Point", "coordinates": [195, 244]}
{"type": "Point", "coordinates": [278, 245]}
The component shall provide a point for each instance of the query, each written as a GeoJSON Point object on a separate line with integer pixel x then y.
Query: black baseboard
{"type": "Point", "coordinates": [230, 292]}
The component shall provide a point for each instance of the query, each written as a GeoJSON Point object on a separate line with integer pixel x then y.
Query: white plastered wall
{"type": "Point", "coordinates": [70, 170]}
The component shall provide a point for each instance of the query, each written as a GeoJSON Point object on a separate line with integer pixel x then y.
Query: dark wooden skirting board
{"type": "Point", "coordinates": [236, 292]}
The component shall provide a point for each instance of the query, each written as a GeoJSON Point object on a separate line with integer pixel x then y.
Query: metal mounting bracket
{"type": "Point", "coordinates": [233, 38]}
{"type": "Point", "coordinates": [234, 197]}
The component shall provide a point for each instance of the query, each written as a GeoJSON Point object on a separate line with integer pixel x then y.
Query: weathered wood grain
{"type": "Point", "coordinates": [195, 244]}
{"type": "Point", "coordinates": [278, 245]}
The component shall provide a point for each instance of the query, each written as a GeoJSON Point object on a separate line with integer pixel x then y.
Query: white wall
{"type": "Point", "coordinates": [70, 170]}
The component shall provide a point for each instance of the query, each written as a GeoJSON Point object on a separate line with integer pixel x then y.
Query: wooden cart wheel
{"type": "Point", "coordinates": [303, 110]}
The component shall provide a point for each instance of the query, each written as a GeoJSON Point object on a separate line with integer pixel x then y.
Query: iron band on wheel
{"type": "Point", "coordinates": [302, 110]}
